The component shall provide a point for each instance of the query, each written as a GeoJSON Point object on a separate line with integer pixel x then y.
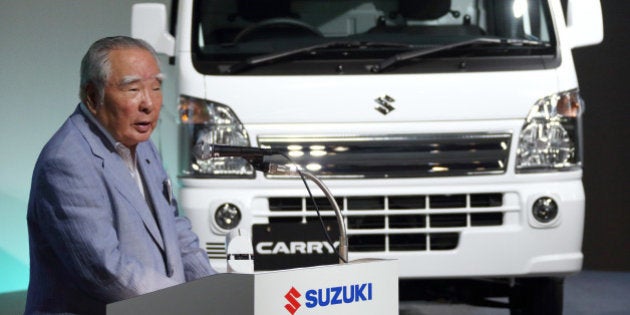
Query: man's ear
{"type": "Point", "coordinates": [91, 100]}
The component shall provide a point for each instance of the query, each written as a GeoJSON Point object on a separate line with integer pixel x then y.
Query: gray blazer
{"type": "Point", "coordinates": [93, 239]}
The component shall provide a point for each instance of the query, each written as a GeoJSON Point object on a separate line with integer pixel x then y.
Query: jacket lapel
{"type": "Point", "coordinates": [151, 169]}
{"type": "Point", "coordinates": [128, 188]}
{"type": "Point", "coordinates": [152, 183]}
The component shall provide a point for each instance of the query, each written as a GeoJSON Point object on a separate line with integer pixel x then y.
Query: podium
{"type": "Point", "coordinates": [367, 286]}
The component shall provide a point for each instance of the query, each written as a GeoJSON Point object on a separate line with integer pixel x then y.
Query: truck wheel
{"type": "Point", "coordinates": [537, 296]}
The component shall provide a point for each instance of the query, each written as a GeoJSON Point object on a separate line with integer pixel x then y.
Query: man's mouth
{"type": "Point", "coordinates": [143, 126]}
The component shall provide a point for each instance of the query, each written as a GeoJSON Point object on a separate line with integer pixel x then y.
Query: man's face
{"type": "Point", "coordinates": [132, 96]}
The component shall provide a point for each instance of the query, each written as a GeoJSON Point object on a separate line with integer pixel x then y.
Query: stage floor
{"type": "Point", "coordinates": [586, 293]}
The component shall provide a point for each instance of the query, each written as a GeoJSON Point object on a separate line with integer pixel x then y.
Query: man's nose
{"type": "Point", "coordinates": [148, 101]}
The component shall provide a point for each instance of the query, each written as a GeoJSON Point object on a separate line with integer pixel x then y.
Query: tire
{"type": "Point", "coordinates": [534, 296]}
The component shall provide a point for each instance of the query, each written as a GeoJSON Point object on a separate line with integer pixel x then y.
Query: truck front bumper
{"type": "Point", "coordinates": [459, 239]}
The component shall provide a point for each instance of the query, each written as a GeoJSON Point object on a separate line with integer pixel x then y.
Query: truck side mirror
{"type": "Point", "coordinates": [584, 23]}
{"type": "Point", "coordinates": [148, 22]}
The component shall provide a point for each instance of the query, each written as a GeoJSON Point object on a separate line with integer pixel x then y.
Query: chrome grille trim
{"type": "Point", "coordinates": [394, 156]}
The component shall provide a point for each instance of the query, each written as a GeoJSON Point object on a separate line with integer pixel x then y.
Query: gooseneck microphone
{"type": "Point", "coordinates": [206, 151]}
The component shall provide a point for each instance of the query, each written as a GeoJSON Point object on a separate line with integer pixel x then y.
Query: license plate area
{"type": "Point", "coordinates": [293, 245]}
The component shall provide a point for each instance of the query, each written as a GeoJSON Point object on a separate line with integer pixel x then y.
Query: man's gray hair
{"type": "Point", "coordinates": [96, 66]}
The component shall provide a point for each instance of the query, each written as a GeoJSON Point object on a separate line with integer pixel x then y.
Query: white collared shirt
{"type": "Point", "coordinates": [132, 164]}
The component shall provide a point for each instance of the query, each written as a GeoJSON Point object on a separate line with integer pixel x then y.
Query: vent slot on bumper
{"type": "Point", "coordinates": [216, 251]}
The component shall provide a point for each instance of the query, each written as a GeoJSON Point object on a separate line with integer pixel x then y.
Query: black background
{"type": "Point", "coordinates": [603, 75]}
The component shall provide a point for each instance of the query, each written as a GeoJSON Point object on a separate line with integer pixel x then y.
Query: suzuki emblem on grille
{"type": "Point", "coordinates": [291, 297]}
{"type": "Point", "coordinates": [385, 104]}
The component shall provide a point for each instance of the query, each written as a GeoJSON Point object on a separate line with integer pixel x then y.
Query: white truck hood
{"type": "Point", "coordinates": [352, 98]}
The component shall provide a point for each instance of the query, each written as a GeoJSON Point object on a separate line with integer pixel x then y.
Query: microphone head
{"type": "Point", "coordinates": [202, 151]}
{"type": "Point", "coordinates": [205, 151]}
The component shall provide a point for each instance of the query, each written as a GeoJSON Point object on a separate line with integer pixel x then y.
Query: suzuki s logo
{"type": "Point", "coordinates": [323, 297]}
{"type": "Point", "coordinates": [291, 297]}
{"type": "Point", "coordinates": [385, 104]}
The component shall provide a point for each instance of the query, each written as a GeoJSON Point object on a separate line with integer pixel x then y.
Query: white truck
{"type": "Point", "coordinates": [448, 131]}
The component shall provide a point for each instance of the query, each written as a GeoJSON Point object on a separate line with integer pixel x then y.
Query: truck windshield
{"type": "Point", "coordinates": [380, 36]}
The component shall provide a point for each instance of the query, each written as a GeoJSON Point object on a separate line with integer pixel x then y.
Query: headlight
{"type": "Point", "coordinates": [212, 123]}
{"type": "Point", "coordinates": [551, 137]}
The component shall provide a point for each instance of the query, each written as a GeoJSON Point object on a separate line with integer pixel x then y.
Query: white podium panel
{"type": "Point", "coordinates": [360, 287]}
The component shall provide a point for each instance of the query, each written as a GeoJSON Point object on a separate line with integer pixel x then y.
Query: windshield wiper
{"type": "Point", "coordinates": [401, 57]}
{"type": "Point", "coordinates": [276, 56]}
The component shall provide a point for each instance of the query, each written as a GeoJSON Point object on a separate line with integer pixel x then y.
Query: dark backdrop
{"type": "Point", "coordinates": [603, 74]}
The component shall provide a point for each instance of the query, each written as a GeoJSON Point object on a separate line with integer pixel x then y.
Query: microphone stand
{"type": "Point", "coordinates": [343, 240]}
{"type": "Point", "coordinates": [275, 169]}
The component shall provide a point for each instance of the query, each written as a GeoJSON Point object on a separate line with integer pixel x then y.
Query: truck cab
{"type": "Point", "coordinates": [449, 133]}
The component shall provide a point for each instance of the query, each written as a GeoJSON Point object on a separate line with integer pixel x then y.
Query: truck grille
{"type": "Point", "coordinates": [394, 156]}
{"type": "Point", "coordinates": [398, 223]}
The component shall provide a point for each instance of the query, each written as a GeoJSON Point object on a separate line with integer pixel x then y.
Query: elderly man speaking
{"type": "Point", "coordinates": [103, 223]}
